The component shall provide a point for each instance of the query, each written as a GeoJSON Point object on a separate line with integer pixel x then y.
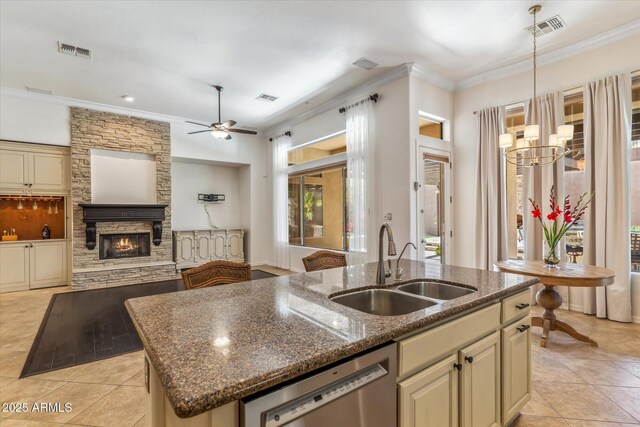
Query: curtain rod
{"type": "Point", "coordinates": [287, 133]}
{"type": "Point", "coordinates": [373, 98]}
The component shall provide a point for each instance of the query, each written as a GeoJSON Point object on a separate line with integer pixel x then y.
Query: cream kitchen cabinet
{"type": "Point", "coordinates": [32, 265]}
{"type": "Point", "coordinates": [33, 169]}
{"type": "Point", "coordinates": [196, 247]}
{"type": "Point", "coordinates": [516, 371]}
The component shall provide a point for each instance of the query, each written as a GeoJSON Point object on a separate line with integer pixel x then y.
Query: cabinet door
{"type": "Point", "coordinates": [430, 397]}
{"type": "Point", "coordinates": [48, 262]}
{"type": "Point", "coordinates": [14, 267]}
{"type": "Point", "coordinates": [480, 383]}
{"type": "Point", "coordinates": [236, 245]}
{"type": "Point", "coordinates": [218, 244]}
{"type": "Point", "coordinates": [186, 246]}
{"type": "Point", "coordinates": [47, 171]}
{"type": "Point", "coordinates": [14, 169]}
{"type": "Point", "coordinates": [516, 368]}
{"type": "Point", "coordinates": [203, 250]}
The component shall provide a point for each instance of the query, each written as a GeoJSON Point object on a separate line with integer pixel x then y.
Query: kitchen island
{"type": "Point", "coordinates": [207, 349]}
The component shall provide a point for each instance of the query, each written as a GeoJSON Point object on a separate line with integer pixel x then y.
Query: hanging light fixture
{"type": "Point", "coordinates": [20, 205]}
{"type": "Point", "coordinates": [530, 151]}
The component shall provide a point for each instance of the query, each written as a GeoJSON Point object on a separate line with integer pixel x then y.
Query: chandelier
{"type": "Point", "coordinates": [531, 151]}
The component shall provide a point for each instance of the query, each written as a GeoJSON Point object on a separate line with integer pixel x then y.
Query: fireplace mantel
{"type": "Point", "coordinates": [93, 213]}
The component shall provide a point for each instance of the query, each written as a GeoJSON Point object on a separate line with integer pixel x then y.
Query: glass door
{"type": "Point", "coordinates": [434, 207]}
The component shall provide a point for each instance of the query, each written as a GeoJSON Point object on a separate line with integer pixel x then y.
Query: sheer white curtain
{"type": "Point", "coordinates": [547, 111]}
{"type": "Point", "coordinates": [491, 209]}
{"type": "Point", "coordinates": [360, 196]}
{"type": "Point", "coordinates": [607, 140]}
{"type": "Point", "coordinates": [279, 165]}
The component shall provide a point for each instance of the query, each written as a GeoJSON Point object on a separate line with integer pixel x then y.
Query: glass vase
{"type": "Point", "coordinates": [551, 255]}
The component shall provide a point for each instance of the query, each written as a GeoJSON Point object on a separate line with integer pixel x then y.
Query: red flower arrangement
{"type": "Point", "coordinates": [557, 229]}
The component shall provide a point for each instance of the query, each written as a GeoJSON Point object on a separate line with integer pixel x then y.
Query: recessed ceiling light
{"type": "Point", "coordinates": [365, 63]}
{"type": "Point", "coordinates": [128, 98]}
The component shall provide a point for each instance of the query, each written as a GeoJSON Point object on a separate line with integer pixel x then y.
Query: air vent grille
{"type": "Point", "coordinates": [547, 26]}
{"type": "Point", "coordinates": [266, 98]}
{"type": "Point", "coordinates": [74, 50]}
{"type": "Point", "coordinates": [365, 63]}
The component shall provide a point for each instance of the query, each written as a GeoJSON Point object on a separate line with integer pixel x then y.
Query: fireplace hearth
{"type": "Point", "coordinates": [124, 245]}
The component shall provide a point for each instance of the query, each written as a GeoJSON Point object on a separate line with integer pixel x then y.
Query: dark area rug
{"type": "Point", "coordinates": [85, 326]}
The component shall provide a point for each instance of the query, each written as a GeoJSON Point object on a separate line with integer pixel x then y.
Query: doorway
{"type": "Point", "coordinates": [434, 205]}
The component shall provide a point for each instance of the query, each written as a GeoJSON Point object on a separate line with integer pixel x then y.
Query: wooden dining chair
{"type": "Point", "coordinates": [216, 273]}
{"type": "Point", "coordinates": [323, 260]}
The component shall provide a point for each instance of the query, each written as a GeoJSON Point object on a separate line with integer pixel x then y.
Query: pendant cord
{"type": "Point", "coordinates": [219, 112]}
{"type": "Point", "coordinates": [534, 54]}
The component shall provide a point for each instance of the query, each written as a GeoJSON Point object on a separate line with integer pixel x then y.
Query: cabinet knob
{"type": "Point", "coordinates": [469, 359]}
{"type": "Point", "coordinates": [26, 246]}
{"type": "Point", "coordinates": [26, 185]}
{"type": "Point", "coordinates": [457, 366]}
{"type": "Point", "coordinates": [521, 306]}
{"type": "Point", "coordinates": [523, 328]}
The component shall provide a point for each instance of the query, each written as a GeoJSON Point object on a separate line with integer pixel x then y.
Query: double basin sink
{"type": "Point", "coordinates": [403, 299]}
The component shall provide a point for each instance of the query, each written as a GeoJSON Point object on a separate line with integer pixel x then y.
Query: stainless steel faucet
{"type": "Point", "coordinates": [391, 251]}
{"type": "Point", "coordinates": [398, 269]}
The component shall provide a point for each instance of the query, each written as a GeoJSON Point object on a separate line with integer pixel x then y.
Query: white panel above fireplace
{"type": "Point", "coordinates": [121, 177]}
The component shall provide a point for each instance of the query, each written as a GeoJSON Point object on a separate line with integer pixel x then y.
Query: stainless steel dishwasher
{"type": "Point", "coordinates": [360, 392]}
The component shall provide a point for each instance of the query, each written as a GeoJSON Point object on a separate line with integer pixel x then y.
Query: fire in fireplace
{"type": "Point", "coordinates": [128, 245]}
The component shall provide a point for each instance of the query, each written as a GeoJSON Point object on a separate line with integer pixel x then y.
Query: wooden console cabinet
{"type": "Point", "coordinates": [196, 247]}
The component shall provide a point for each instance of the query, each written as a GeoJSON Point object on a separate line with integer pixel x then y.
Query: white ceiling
{"type": "Point", "coordinates": [167, 53]}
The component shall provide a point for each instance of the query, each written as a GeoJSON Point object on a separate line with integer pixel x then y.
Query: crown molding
{"type": "Point", "coordinates": [367, 87]}
{"type": "Point", "coordinates": [433, 77]}
{"type": "Point", "coordinates": [556, 55]}
{"type": "Point", "coordinates": [72, 102]}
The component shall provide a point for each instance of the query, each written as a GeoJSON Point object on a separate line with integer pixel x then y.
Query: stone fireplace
{"type": "Point", "coordinates": [120, 243]}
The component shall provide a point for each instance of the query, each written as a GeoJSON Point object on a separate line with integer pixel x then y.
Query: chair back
{"type": "Point", "coordinates": [216, 273]}
{"type": "Point", "coordinates": [323, 260]}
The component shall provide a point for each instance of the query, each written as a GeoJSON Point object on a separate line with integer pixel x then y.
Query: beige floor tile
{"type": "Point", "coordinates": [6, 381]}
{"type": "Point", "coordinates": [137, 379]}
{"type": "Point", "coordinates": [25, 423]}
{"type": "Point", "coordinates": [583, 423]}
{"type": "Point", "coordinates": [533, 421]}
{"type": "Point", "coordinates": [627, 398]}
{"type": "Point", "coordinates": [582, 402]}
{"type": "Point", "coordinates": [539, 407]}
{"type": "Point", "coordinates": [141, 423]}
{"type": "Point", "coordinates": [115, 370]}
{"type": "Point", "coordinates": [12, 362]}
{"type": "Point", "coordinates": [553, 371]}
{"type": "Point", "coordinates": [122, 407]}
{"type": "Point", "coordinates": [602, 372]}
{"type": "Point", "coordinates": [28, 390]}
{"type": "Point", "coordinates": [80, 396]}
{"type": "Point", "coordinates": [631, 367]}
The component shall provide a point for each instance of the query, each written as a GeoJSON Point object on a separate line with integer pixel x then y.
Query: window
{"type": "Point", "coordinates": [573, 176]}
{"type": "Point", "coordinates": [634, 178]}
{"type": "Point", "coordinates": [430, 127]}
{"type": "Point", "coordinates": [317, 194]}
{"type": "Point", "coordinates": [515, 233]}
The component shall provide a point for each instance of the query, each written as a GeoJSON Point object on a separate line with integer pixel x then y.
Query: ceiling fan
{"type": "Point", "coordinates": [221, 130]}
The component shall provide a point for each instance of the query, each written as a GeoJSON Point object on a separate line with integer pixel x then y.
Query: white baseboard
{"type": "Point", "coordinates": [635, 319]}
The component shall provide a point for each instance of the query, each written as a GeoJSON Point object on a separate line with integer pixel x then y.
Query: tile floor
{"type": "Point", "coordinates": [574, 384]}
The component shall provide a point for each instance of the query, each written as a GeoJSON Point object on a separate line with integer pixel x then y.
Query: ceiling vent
{"type": "Point", "coordinates": [36, 90]}
{"type": "Point", "coordinates": [365, 64]}
{"type": "Point", "coordinates": [547, 26]}
{"type": "Point", "coordinates": [266, 98]}
{"type": "Point", "coordinates": [74, 50]}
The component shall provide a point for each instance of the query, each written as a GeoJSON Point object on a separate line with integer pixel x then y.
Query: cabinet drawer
{"type": "Point", "coordinates": [422, 349]}
{"type": "Point", "coordinates": [516, 306]}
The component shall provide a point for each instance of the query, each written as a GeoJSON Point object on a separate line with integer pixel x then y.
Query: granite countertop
{"type": "Point", "coordinates": [216, 345]}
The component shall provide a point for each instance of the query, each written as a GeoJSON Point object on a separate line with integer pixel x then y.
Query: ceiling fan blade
{"type": "Point", "coordinates": [199, 131]}
{"type": "Point", "coordinates": [248, 132]}
{"type": "Point", "coordinates": [199, 124]}
{"type": "Point", "coordinates": [227, 124]}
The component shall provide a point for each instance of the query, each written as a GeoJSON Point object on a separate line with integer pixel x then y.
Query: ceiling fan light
{"type": "Point", "coordinates": [531, 133]}
{"type": "Point", "coordinates": [505, 140]}
{"type": "Point", "coordinates": [565, 132]}
{"type": "Point", "coordinates": [220, 134]}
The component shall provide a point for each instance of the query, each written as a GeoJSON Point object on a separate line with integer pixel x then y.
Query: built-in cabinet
{"type": "Point", "coordinates": [474, 371]}
{"type": "Point", "coordinates": [197, 247]}
{"type": "Point", "coordinates": [32, 265]}
{"type": "Point", "coordinates": [33, 168]}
